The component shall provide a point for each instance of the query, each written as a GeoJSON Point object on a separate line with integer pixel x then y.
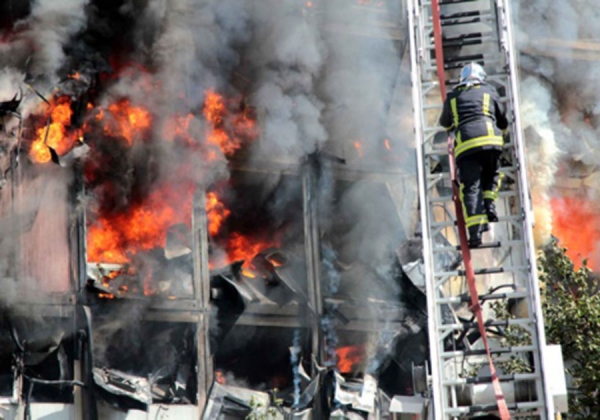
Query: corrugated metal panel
{"type": "Point", "coordinates": [42, 207]}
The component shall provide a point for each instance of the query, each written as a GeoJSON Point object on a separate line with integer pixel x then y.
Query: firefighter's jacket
{"type": "Point", "coordinates": [477, 117]}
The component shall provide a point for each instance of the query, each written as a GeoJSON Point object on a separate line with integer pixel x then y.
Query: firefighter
{"type": "Point", "coordinates": [473, 112]}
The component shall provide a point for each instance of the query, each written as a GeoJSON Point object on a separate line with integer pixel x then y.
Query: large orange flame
{"type": "Point", "coordinates": [349, 356]}
{"type": "Point", "coordinates": [58, 134]}
{"type": "Point", "coordinates": [240, 247]}
{"type": "Point", "coordinates": [144, 227]}
{"type": "Point", "coordinates": [127, 120]}
{"type": "Point", "coordinates": [576, 224]}
{"type": "Point", "coordinates": [227, 131]}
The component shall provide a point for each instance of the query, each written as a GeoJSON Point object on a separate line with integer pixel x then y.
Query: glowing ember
{"type": "Point", "coordinates": [127, 120]}
{"type": "Point", "coordinates": [58, 136]}
{"type": "Point", "coordinates": [219, 377]}
{"type": "Point", "coordinates": [348, 357]}
{"type": "Point", "coordinates": [359, 150]}
{"type": "Point", "coordinates": [576, 224]}
{"type": "Point", "coordinates": [248, 273]}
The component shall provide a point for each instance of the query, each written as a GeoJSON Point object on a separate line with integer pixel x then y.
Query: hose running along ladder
{"type": "Point", "coordinates": [486, 331]}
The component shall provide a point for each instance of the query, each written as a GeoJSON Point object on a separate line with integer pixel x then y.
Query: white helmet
{"type": "Point", "coordinates": [472, 72]}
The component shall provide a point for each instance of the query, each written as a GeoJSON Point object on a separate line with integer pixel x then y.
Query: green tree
{"type": "Point", "coordinates": [571, 305]}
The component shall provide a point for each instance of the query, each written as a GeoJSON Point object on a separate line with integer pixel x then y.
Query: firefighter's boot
{"type": "Point", "coordinates": [474, 236]}
{"type": "Point", "coordinates": [490, 209]}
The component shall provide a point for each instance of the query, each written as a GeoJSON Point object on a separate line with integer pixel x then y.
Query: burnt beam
{"type": "Point", "coordinates": [313, 255]}
{"type": "Point", "coordinates": [201, 282]}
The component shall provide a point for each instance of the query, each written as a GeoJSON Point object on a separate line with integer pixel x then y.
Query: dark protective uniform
{"type": "Point", "coordinates": [475, 114]}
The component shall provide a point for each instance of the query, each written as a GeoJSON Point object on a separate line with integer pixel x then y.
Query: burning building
{"type": "Point", "coordinates": [201, 203]}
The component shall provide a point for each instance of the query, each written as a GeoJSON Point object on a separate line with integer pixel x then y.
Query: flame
{"type": "Point", "coordinates": [576, 224]}
{"type": "Point", "coordinates": [75, 76]}
{"type": "Point", "coordinates": [127, 121]}
{"type": "Point", "coordinates": [222, 124]}
{"type": "Point", "coordinates": [114, 238]}
{"type": "Point", "coordinates": [241, 247]}
{"type": "Point", "coordinates": [348, 357]}
{"type": "Point", "coordinates": [216, 212]}
{"type": "Point", "coordinates": [57, 135]}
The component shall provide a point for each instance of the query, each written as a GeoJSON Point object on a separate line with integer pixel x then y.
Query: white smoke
{"type": "Point", "coordinates": [561, 93]}
{"type": "Point", "coordinates": [537, 110]}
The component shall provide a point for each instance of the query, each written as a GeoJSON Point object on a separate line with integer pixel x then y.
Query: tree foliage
{"type": "Point", "coordinates": [571, 305]}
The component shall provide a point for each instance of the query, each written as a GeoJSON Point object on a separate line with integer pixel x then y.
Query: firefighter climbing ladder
{"type": "Point", "coordinates": [444, 36]}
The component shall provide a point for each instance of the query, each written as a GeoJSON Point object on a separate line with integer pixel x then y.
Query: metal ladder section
{"type": "Point", "coordinates": [504, 268]}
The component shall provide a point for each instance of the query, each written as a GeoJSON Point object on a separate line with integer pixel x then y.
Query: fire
{"type": "Point", "coordinates": [348, 357]}
{"type": "Point", "coordinates": [142, 228]}
{"type": "Point", "coordinates": [127, 121]}
{"type": "Point", "coordinates": [576, 224]}
{"type": "Point", "coordinates": [58, 134]}
{"type": "Point", "coordinates": [216, 212]}
{"type": "Point", "coordinates": [228, 132]}
{"type": "Point", "coordinates": [241, 247]}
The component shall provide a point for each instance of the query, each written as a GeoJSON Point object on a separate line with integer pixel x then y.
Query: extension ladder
{"type": "Point", "coordinates": [469, 352]}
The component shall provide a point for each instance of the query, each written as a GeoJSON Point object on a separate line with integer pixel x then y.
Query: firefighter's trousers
{"type": "Point", "coordinates": [479, 179]}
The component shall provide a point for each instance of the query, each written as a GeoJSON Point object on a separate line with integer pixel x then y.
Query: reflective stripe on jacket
{"type": "Point", "coordinates": [477, 117]}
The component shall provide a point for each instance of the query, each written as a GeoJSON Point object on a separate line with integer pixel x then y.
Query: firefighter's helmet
{"type": "Point", "coordinates": [472, 72]}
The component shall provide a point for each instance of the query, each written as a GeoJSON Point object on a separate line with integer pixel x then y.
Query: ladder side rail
{"type": "Point", "coordinates": [507, 44]}
{"type": "Point", "coordinates": [466, 253]}
{"type": "Point", "coordinates": [433, 315]}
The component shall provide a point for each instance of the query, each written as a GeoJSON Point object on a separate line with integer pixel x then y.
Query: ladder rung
{"type": "Point", "coordinates": [465, 43]}
{"type": "Point", "coordinates": [460, 64]}
{"type": "Point", "coordinates": [434, 130]}
{"type": "Point", "coordinates": [495, 323]}
{"type": "Point", "coordinates": [472, 409]}
{"type": "Point", "coordinates": [480, 271]}
{"type": "Point", "coordinates": [486, 296]}
{"type": "Point", "coordinates": [462, 15]}
{"type": "Point", "coordinates": [468, 18]}
{"type": "Point", "coordinates": [488, 379]}
{"type": "Point", "coordinates": [446, 175]}
{"type": "Point", "coordinates": [482, 352]}
{"type": "Point", "coordinates": [448, 223]}
{"type": "Point", "coordinates": [444, 3]}
{"type": "Point", "coordinates": [489, 245]}
{"type": "Point", "coordinates": [457, 247]}
{"type": "Point", "coordinates": [445, 198]}
{"type": "Point", "coordinates": [461, 58]}
{"type": "Point", "coordinates": [444, 151]}
{"type": "Point", "coordinates": [438, 105]}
